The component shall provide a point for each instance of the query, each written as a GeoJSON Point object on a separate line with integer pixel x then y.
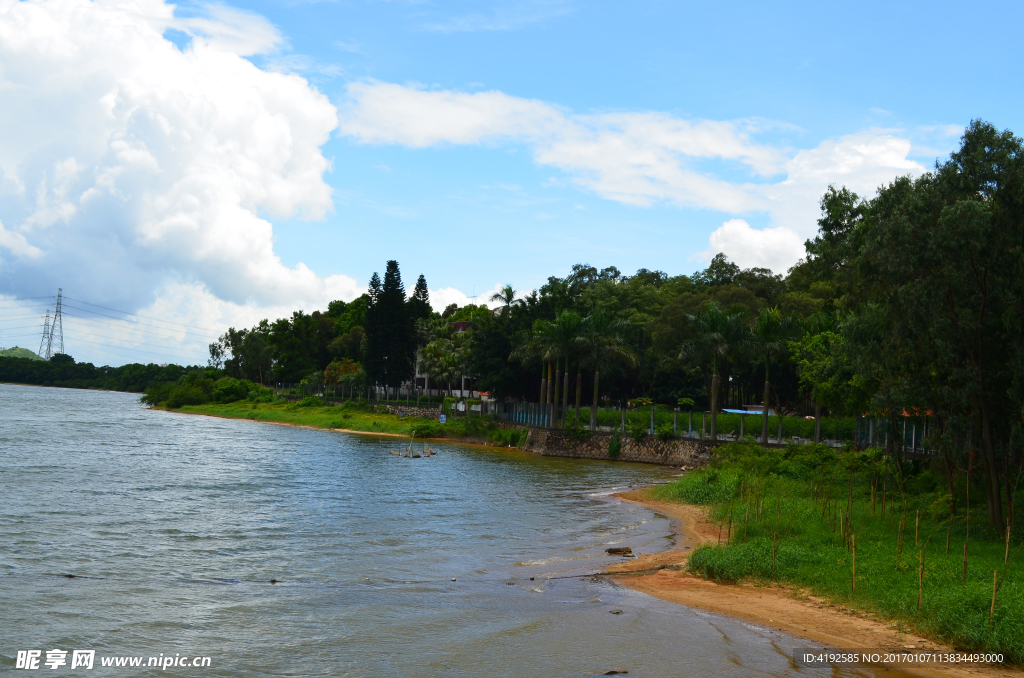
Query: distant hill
{"type": "Point", "coordinates": [17, 352]}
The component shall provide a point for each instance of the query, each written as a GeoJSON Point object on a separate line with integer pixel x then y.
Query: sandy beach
{"type": "Point", "coordinates": [791, 610]}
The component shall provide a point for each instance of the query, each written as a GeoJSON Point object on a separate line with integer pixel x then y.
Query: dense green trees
{"type": "Point", "coordinates": [62, 370]}
{"type": "Point", "coordinates": [388, 355]}
{"type": "Point", "coordinates": [908, 302]}
{"type": "Point", "coordinates": [927, 299]}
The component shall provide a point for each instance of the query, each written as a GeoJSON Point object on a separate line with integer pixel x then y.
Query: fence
{"type": "Point", "coordinates": [379, 394]}
{"type": "Point", "coordinates": [666, 423]}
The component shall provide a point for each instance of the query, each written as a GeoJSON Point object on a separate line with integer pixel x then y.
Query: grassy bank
{"type": "Point", "coordinates": [822, 507]}
{"type": "Point", "coordinates": [364, 418]}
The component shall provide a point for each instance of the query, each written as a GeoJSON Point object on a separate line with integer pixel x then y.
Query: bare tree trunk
{"type": "Point", "coordinates": [993, 491]}
{"type": "Point", "coordinates": [817, 423]}
{"type": "Point", "coordinates": [593, 409]}
{"type": "Point", "coordinates": [714, 407]}
{"type": "Point", "coordinates": [551, 385]}
{"type": "Point", "coordinates": [764, 417]}
{"type": "Point", "coordinates": [558, 393]}
{"type": "Point", "coordinates": [543, 383]}
{"type": "Point", "coordinates": [565, 393]}
{"type": "Point", "coordinates": [579, 388]}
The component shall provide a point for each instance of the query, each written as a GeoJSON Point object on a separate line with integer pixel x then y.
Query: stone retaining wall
{"type": "Point", "coordinates": [677, 452]}
{"type": "Point", "coordinates": [411, 410]}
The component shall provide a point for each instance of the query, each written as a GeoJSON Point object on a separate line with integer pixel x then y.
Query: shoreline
{"type": "Point", "coordinates": [459, 441]}
{"type": "Point", "coordinates": [783, 608]}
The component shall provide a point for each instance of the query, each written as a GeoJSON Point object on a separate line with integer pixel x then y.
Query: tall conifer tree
{"type": "Point", "coordinates": [373, 355]}
{"type": "Point", "coordinates": [390, 344]}
{"type": "Point", "coordinates": [419, 302]}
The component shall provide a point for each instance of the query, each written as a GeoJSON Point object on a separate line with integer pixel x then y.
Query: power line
{"type": "Point", "coordinates": [126, 320]}
{"type": "Point", "coordinates": [125, 348]}
{"type": "Point", "coordinates": [18, 318]}
{"type": "Point", "coordinates": [92, 331]}
{"type": "Point", "coordinates": [106, 308]}
{"type": "Point", "coordinates": [17, 299]}
{"type": "Point", "coordinates": [19, 327]}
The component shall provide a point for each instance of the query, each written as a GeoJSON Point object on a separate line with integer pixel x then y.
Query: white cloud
{"type": "Point", "coordinates": [380, 112]}
{"type": "Point", "coordinates": [231, 30]}
{"type": "Point", "coordinates": [138, 167]}
{"type": "Point", "coordinates": [504, 17]}
{"type": "Point", "coordinates": [641, 158]}
{"type": "Point", "coordinates": [441, 298]}
{"type": "Point", "coordinates": [17, 245]}
{"type": "Point", "coordinates": [775, 248]}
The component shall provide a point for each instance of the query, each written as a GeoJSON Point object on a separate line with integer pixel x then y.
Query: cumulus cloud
{"type": "Point", "coordinates": [775, 248]}
{"type": "Point", "coordinates": [641, 158]}
{"type": "Point", "coordinates": [138, 166]}
{"type": "Point", "coordinates": [442, 297]}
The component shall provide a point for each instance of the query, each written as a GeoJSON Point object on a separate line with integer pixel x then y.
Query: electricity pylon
{"type": "Point", "coordinates": [53, 333]}
{"type": "Point", "coordinates": [44, 345]}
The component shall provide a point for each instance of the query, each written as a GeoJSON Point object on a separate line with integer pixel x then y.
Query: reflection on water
{"type": "Point", "coordinates": [174, 527]}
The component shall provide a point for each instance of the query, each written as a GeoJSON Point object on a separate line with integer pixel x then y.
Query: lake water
{"type": "Point", "coordinates": [173, 527]}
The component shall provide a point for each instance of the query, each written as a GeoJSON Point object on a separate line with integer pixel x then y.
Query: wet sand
{"type": "Point", "coordinates": [788, 609]}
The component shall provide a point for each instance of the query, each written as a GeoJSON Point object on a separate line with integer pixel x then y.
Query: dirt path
{"type": "Point", "coordinates": [786, 609]}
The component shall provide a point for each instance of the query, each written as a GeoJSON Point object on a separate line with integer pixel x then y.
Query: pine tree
{"type": "Point", "coordinates": [419, 302]}
{"type": "Point", "coordinates": [373, 357]}
{"type": "Point", "coordinates": [390, 344]}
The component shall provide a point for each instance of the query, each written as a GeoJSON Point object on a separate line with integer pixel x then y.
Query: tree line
{"type": "Point", "coordinates": [62, 370]}
{"type": "Point", "coordinates": [907, 302]}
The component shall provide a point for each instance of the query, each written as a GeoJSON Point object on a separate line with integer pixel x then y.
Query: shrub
{"type": "Point", "coordinates": [260, 394]}
{"type": "Point", "coordinates": [157, 394]}
{"type": "Point", "coordinates": [507, 437]}
{"type": "Point", "coordinates": [230, 390]}
{"type": "Point", "coordinates": [575, 429]}
{"type": "Point", "coordinates": [310, 401]}
{"type": "Point", "coordinates": [638, 431]}
{"type": "Point", "coordinates": [664, 433]}
{"type": "Point", "coordinates": [614, 445]}
{"type": "Point", "coordinates": [186, 395]}
{"type": "Point", "coordinates": [428, 429]}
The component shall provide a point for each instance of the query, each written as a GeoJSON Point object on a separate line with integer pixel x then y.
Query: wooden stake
{"type": "Point", "coordinates": [853, 583]}
{"type": "Point", "coordinates": [992, 610]}
{"type": "Point", "coordinates": [728, 538]}
{"type": "Point", "coordinates": [917, 528]}
{"type": "Point", "coordinates": [1007, 555]}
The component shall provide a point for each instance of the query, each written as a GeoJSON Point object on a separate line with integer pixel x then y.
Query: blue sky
{"type": "Point", "coordinates": [209, 165]}
{"type": "Point", "coordinates": [476, 215]}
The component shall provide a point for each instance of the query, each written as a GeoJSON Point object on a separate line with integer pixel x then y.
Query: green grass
{"type": "Point", "coordinates": [787, 494]}
{"type": "Point", "coordinates": [362, 418]}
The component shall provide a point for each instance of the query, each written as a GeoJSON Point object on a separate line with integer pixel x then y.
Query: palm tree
{"type": "Point", "coordinates": [563, 336]}
{"type": "Point", "coordinates": [603, 340]}
{"type": "Point", "coordinates": [769, 339]}
{"type": "Point", "coordinates": [527, 348]}
{"type": "Point", "coordinates": [551, 342]}
{"type": "Point", "coordinates": [507, 298]}
{"type": "Point", "coordinates": [716, 335]}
